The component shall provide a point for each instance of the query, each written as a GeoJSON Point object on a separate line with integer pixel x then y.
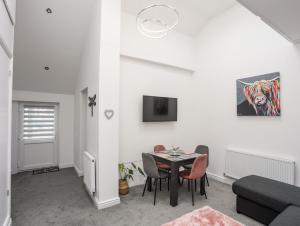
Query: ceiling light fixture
{"type": "Point", "coordinates": [47, 68]}
{"type": "Point", "coordinates": [156, 21]}
{"type": "Point", "coordinates": [48, 10]}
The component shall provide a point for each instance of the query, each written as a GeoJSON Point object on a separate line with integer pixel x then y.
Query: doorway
{"type": "Point", "coordinates": [83, 123]}
{"type": "Point", "coordinates": [35, 136]}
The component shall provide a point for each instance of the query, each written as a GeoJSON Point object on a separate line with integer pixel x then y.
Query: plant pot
{"type": "Point", "coordinates": [123, 187]}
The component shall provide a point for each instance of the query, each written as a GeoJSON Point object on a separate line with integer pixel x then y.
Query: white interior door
{"type": "Point", "coordinates": [37, 141]}
{"type": "Point", "coordinates": [4, 131]}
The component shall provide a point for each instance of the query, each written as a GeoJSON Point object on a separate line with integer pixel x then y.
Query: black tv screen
{"type": "Point", "coordinates": [159, 109]}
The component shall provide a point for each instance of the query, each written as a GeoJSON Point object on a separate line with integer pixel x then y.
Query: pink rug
{"type": "Point", "coordinates": [205, 216]}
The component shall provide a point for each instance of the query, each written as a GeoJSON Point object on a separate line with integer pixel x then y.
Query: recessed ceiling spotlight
{"type": "Point", "coordinates": [47, 68]}
{"type": "Point", "coordinates": [48, 10]}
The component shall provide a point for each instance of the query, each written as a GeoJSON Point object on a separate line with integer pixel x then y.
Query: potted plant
{"type": "Point", "coordinates": [125, 174]}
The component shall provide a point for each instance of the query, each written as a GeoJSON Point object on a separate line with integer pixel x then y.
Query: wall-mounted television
{"type": "Point", "coordinates": [159, 109]}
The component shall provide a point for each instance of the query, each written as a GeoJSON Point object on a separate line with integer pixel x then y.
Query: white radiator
{"type": "Point", "coordinates": [89, 172]}
{"type": "Point", "coordinates": [239, 164]}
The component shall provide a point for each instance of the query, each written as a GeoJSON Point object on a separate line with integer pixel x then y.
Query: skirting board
{"type": "Point", "coordinates": [7, 221]}
{"type": "Point", "coordinates": [78, 171]}
{"type": "Point", "coordinates": [65, 165]}
{"type": "Point", "coordinates": [140, 180]}
{"type": "Point", "coordinates": [220, 178]}
{"type": "Point", "coordinates": [137, 180]}
{"type": "Point", "coordinates": [106, 203]}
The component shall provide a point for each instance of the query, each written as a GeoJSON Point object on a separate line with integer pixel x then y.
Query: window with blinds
{"type": "Point", "coordinates": [38, 122]}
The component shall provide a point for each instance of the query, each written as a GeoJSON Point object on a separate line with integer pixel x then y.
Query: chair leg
{"type": "Point", "coordinates": [181, 182]}
{"type": "Point", "coordinates": [189, 185]}
{"type": "Point", "coordinates": [155, 191]}
{"type": "Point", "coordinates": [192, 181]}
{"type": "Point", "coordinates": [169, 183]}
{"type": "Point", "coordinates": [195, 185]}
{"type": "Point", "coordinates": [204, 190]}
{"type": "Point", "coordinates": [146, 183]}
{"type": "Point", "coordinates": [149, 184]}
{"type": "Point", "coordinates": [206, 179]}
{"type": "Point", "coordinates": [160, 184]}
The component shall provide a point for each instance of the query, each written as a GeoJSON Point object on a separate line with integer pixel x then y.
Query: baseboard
{"type": "Point", "coordinates": [66, 165]}
{"type": "Point", "coordinates": [107, 203]}
{"type": "Point", "coordinates": [137, 180]}
{"type": "Point", "coordinates": [220, 178]}
{"type": "Point", "coordinates": [7, 221]}
{"type": "Point", "coordinates": [78, 171]}
{"type": "Point", "coordinates": [140, 180]}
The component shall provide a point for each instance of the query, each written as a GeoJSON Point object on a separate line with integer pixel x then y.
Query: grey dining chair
{"type": "Point", "coordinates": [200, 149]}
{"type": "Point", "coordinates": [151, 169]}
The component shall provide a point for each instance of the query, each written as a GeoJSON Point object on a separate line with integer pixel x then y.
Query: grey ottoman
{"type": "Point", "coordinates": [264, 199]}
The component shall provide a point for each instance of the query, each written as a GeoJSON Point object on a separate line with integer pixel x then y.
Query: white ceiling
{"type": "Point", "coordinates": [282, 16]}
{"type": "Point", "coordinates": [193, 13]}
{"type": "Point", "coordinates": [53, 40]}
{"type": "Point", "coordinates": [56, 39]}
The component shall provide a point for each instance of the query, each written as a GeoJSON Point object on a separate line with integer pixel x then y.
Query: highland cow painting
{"type": "Point", "coordinates": [259, 95]}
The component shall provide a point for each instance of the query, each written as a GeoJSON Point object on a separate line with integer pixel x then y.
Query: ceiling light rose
{"type": "Point", "coordinates": [47, 68]}
{"type": "Point", "coordinates": [156, 21]}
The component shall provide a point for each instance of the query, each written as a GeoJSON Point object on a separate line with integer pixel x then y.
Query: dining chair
{"type": "Point", "coordinates": [197, 171]}
{"type": "Point", "coordinates": [161, 166]}
{"type": "Point", "coordinates": [152, 171]}
{"type": "Point", "coordinates": [200, 149]}
{"type": "Point", "coordinates": [157, 149]}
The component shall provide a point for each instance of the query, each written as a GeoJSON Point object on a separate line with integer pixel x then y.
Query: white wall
{"type": "Point", "coordinates": [140, 78]}
{"type": "Point", "coordinates": [162, 67]}
{"type": "Point", "coordinates": [176, 49]}
{"type": "Point", "coordinates": [109, 76]}
{"type": "Point", "coordinates": [99, 72]}
{"type": "Point", "coordinates": [234, 45]}
{"type": "Point", "coordinates": [159, 67]}
{"type": "Point", "coordinates": [88, 77]}
{"type": "Point", "coordinates": [66, 122]}
{"type": "Point", "coordinates": [14, 137]}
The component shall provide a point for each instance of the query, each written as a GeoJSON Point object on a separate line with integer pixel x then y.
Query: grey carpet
{"type": "Point", "coordinates": [59, 199]}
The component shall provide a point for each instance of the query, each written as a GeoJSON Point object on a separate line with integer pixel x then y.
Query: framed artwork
{"type": "Point", "coordinates": [259, 95]}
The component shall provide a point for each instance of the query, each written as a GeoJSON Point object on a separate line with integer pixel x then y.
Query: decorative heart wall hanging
{"type": "Point", "coordinates": [109, 113]}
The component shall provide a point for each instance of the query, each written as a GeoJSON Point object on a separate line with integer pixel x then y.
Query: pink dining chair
{"type": "Point", "coordinates": [157, 149]}
{"type": "Point", "coordinates": [198, 171]}
{"type": "Point", "coordinates": [161, 166]}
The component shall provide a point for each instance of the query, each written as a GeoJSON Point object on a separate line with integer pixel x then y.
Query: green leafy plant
{"type": "Point", "coordinates": [127, 172]}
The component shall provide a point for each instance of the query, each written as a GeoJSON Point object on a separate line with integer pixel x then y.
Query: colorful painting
{"type": "Point", "coordinates": [259, 95]}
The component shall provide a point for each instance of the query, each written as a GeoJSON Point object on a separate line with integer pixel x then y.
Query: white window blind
{"type": "Point", "coordinates": [38, 122]}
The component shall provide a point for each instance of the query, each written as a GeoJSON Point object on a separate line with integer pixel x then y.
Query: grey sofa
{"type": "Point", "coordinates": [268, 201]}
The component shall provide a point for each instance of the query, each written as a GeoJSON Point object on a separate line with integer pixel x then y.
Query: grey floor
{"type": "Point", "coordinates": [60, 199]}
